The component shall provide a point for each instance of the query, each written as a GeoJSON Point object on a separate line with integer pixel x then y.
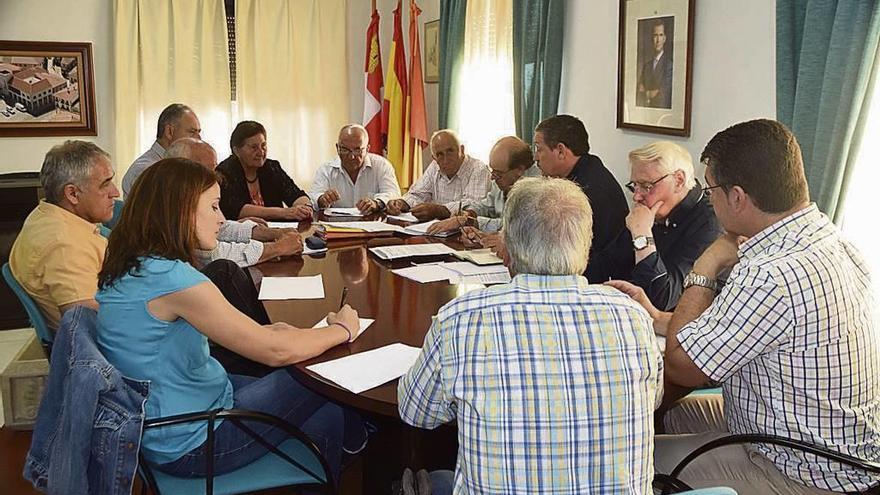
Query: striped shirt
{"type": "Point", "coordinates": [793, 337]}
{"type": "Point", "coordinates": [553, 383]}
{"type": "Point", "coordinates": [469, 184]}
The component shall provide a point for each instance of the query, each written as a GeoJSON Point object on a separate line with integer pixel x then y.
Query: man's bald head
{"type": "Point", "coordinates": [509, 159]}
{"type": "Point", "coordinates": [447, 151]}
{"type": "Point", "coordinates": [195, 150]}
{"type": "Point", "coordinates": [352, 146]}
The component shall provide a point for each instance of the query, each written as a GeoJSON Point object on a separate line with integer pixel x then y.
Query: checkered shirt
{"type": "Point", "coordinates": [468, 185]}
{"type": "Point", "coordinates": [793, 337]}
{"type": "Point", "coordinates": [553, 383]}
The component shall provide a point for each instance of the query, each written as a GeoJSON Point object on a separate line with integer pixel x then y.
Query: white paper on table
{"type": "Point", "coordinates": [364, 323]}
{"type": "Point", "coordinates": [467, 268]}
{"type": "Point", "coordinates": [308, 250]}
{"type": "Point", "coordinates": [429, 272]}
{"type": "Point", "coordinates": [407, 250]}
{"type": "Point", "coordinates": [283, 225]}
{"type": "Point", "coordinates": [366, 370]}
{"type": "Point", "coordinates": [422, 229]}
{"type": "Point", "coordinates": [403, 217]}
{"type": "Point", "coordinates": [483, 278]}
{"type": "Point", "coordinates": [279, 288]}
{"type": "Point", "coordinates": [343, 212]}
{"type": "Point", "coordinates": [372, 226]}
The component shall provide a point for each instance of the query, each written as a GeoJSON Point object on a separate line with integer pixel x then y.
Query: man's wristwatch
{"type": "Point", "coordinates": [700, 281]}
{"type": "Point", "coordinates": [642, 241]}
{"type": "Point", "coordinates": [380, 205]}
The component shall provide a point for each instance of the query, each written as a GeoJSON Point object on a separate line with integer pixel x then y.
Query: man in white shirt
{"type": "Point", "coordinates": [355, 178]}
{"type": "Point", "coordinates": [175, 122]}
{"type": "Point", "coordinates": [453, 179]}
{"type": "Point", "coordinates": [246, 243]}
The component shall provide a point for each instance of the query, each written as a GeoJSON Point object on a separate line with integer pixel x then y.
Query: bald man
{"type": "Point", "coordinates": [246, 243]}
{"type": "Point", "coordinates": [355, 178]}
{"type": "Point", "coordinates": [452, 179]}
{"type": "Point", "coordinates": [510, 160]}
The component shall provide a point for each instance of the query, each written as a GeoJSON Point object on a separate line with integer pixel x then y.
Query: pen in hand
{"type": "Point", "coordinates": [342, 298]}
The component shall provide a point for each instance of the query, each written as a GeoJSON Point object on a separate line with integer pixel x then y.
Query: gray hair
{"type": "Point", "coordinates": [669, 156]}
{"type": "Point", "coordinates": [68, 163]}
{"type": "Point", "coordinates": [548, 227]}
{"type": "Point", "coordinates": [170, 115]}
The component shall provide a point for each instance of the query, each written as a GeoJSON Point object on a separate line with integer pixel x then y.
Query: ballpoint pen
{"type": "Point", "coordinates": [342, 298]}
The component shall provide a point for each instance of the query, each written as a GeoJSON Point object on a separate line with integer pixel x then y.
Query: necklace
{"type": "Point", "coordinates": [251, 181]}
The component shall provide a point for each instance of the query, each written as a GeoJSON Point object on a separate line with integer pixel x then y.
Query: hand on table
{"type": "Point", "coordinates": [396, 207]}
{"type": "Point", "coordinates": [429, 211]}
{"type": "Point", "coordinates": [367, 206]}
{"type": "Point", "coordinates": [451, 223]}
{"type": "Point", "coordinates": [328, 198]}
{"type": "Point", "coordinates": [290, 242]}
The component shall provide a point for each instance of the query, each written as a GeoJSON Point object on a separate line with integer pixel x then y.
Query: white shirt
{"type": "Point", "coordinates": [468, 185]}
{"type": "Point", "coordinates": [143, 162]}
{"type": "Point", "coordinates": [490, 207]}
{"type": "Point", "coordinates": [375, 180]}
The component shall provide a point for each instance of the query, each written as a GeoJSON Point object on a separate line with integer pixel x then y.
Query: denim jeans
{"type": "Point", "coordinates": [279, 394]}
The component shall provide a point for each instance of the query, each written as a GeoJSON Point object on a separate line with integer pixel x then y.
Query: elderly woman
{"type": "Point", "coordinates": [255, 186]}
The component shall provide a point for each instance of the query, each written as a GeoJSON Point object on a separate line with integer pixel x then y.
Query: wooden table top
{"type": "Point", "coordinates": [401, 307]}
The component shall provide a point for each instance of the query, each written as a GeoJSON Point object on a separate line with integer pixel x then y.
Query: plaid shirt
{"type": "Point", "coordinates": [553, 382]}
{"type": "Point", "coordinates": [468, 185]}
{"type": "Point", "coordinates": [793, 337]}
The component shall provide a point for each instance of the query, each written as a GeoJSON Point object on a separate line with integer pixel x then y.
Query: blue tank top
{"type": "Point", "coordinates": [173, 356]}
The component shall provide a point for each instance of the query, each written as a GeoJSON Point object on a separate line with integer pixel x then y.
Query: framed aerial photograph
{"type": "Point", "coordinates": [46, 89]}
{"type": "Point", "coordinates": [655, 50]}
{"type": "Point", "coordinates": [432, 51]}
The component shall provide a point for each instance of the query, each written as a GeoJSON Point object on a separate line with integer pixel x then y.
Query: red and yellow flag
{"type": "Point", "coordinates": [394, 104]}
{"type": "Point", "coordinates": [373, 86]}
{"type": "Point", "coordinates": [416, 116]}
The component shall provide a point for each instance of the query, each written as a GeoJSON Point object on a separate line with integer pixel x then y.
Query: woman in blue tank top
{"type": "Point", "coordinates": [157, 313]}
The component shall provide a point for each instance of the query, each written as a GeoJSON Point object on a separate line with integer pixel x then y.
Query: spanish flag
{"type": "Point", "coordinates": [394, 105]}
{"type": "Point", "coordinates": [416, 116]}
{"type": "Point", "coordinates": [373, 86]}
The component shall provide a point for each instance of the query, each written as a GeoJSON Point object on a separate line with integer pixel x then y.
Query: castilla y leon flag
{"type": "Point", "coordinates": [373, 86]}
{"type": "Point", "coordinates": [394, 103]}
{"type": "Point", "coordinates": [416, 118]}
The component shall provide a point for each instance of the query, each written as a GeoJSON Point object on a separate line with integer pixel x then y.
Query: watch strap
{"type": "Point", "coordinates": [701, 281]}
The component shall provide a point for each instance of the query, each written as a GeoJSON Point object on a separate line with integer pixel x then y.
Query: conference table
{"type": "Point", "coordinates": [402, 310]}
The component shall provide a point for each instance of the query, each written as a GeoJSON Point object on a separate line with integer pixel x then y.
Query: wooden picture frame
{"type": "Point", "coordinates": [432, 51]}
{"type": "Point", "coordinates": [46, 89]}
{"type": "Point", "coordinates": [655, 66]}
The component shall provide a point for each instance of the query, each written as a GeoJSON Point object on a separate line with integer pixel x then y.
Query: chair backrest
{"type": "Point", "coordinates": [33, 311]}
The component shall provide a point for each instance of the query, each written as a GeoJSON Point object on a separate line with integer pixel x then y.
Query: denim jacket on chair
{"type": "Point", "coordinates": [88, 429]}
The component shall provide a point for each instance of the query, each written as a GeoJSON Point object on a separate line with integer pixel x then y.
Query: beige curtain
{"type": "Point", "coordinates": [292, 77]}
{"type": "Point", "coordinates": [167, 52]}
{"type": "Point", "coordinates": [485, 96]}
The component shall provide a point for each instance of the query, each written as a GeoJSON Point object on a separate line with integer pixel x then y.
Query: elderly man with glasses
{"type": "Point", "coordinates": [671, 222]}
{"type": "Point", "coordinates": [355, 178]}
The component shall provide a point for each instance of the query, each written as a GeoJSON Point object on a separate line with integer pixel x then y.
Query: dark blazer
{"type": "Point", "coordinates": [652, 78]}
{"type": "Point", "coordinates": [277, 188]}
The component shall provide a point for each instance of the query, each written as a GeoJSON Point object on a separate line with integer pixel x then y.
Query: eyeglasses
{"type": "Point", "coordinates": [645, 187]}
{"type": "Point", "coordinates": [497, 174]}
{"type": "Point", "coordinates": [343, 151]}
{"type": "Point", "coordinates": [708, 190]}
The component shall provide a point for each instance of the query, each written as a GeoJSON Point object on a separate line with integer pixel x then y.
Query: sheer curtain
{"type": "Point", "coordinates": [485, 90]}
{"type": "Point", "coordinates": [168, 52]}
{"type": "Point", "coordinates": [292, 77]}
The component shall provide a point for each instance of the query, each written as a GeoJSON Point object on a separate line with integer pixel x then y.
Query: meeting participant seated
{"type": "Point", "coordinates": [671, 221]}
{"type": "Point", "coordinates": [157, 312]}
{"type": "Point", "coordinates": [453, 179]}
{"type": "Point", "coordinates": [176, 121]}
{"type": "Point", "coordinates": [246, 243]}
{"type": "Point", "coordinates": [509, 160]}
{"type": "Point", "coordinates": [256, 186]}
{"type": "Point", "coordinates": [562, 149]}
{"type": "Point", "coordinates": [355, 178]}
{"type": "Point", "coordinates": [59, 250]}
{"type": "Point", "coordinates": [792, 335]}
{"type": "Point", "coordinates": [552, 381]}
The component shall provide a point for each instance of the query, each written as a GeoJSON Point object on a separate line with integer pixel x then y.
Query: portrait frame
{"type": "Point", "coordinates": [655, 66]}
{"type": "Point", "coordinates": [432, 51]}
{"type": "Point", "coordinates": [47, 88]}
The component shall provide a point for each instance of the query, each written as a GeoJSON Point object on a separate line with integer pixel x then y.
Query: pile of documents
{"type": "Point", "coordinates": [348, 230]}
{"type": "Point", "coordinates": [409, 250]}
{"type": "Point", "coordinates": [458, 272]}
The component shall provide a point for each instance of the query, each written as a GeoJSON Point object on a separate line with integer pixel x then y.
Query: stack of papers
{"type": "Point", "coordinates": [281, 288]}
{"type": "Point", "coordinates": [343, 212]}
{"type": "Point", "coordinates": [409, 250]}
{"type": "Point", "coordinates": [479, 256]}
{"type": "Point", "coordinates": [364, 323]}
{"type": "Point", "coordinates": [422, 229]}
{"type": "Point", "coordinates": [282, 225]}
{"type": "Point", "coordinates": [361, 372]}
{"type": "Point", "coordinates": [458, 272]}
{"type": "Point", "coordinates": [372, 226]}
{"type": "Point", "coordinates": [403, 217]}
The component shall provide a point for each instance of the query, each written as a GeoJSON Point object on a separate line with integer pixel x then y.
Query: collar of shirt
{"type": "Point", "coordinates": [657, 58]}
{"type": "Point", "coordinates": [158, 150]}
{"type": "Point", "coordinates": [464, 170]}
{"type": "Point", "coordinates": [809, 217]}
{"type": "Point", "coordinates": [683, 209]}
{"type": "Point", "coordinates": [68, 218]}
{"type": "Point", "coordinates": [548, 282]}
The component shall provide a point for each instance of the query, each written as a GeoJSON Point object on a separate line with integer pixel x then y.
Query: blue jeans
{"type": "Point", "coordinates": [442, 482]}
{"type": "Point", "coordinates": [278, 394]}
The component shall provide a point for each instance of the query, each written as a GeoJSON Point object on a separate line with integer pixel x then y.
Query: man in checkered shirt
{"type": "Point", "coordinates": [553, 381]}
{"type": "Point", "coordinates": [792, 336]}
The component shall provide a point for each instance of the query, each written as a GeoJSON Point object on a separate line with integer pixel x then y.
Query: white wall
{"type": "Point", "coordinates": [733, 79]}
{"type": "Point", "coordinates": [358, 19]}
{"type": "Point", "coordinates": [61, 20]}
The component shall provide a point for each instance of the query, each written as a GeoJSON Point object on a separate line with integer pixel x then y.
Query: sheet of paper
{"type": "Point", "coordinates": [467, 268]}
{"type": "Point", "coordinates": [408, 250]}
{"type": "Point", "coordinates": [403, 217]}
{"type": "Point", "coordinates": [422, 229]}
{"type": "Point", "coordinates": [364, 323]}
{"type": "Point", "coordinates": [283, 225]}
{"type": "Point", "coordinates": [483, 278]}
{"type": "Point", "coordinates": [372, 226]}
{"type": "Point", "coordinates": [483, 256]}
{"type": "Point", "coordinates": [366, 370]}
{"type": "Point", "coordinates": [423, 274]}
{"type": "Point", "coordinates": [280, 288]}
{"type": "Point", "coordinates": [308, 250]}
{"type": "Point", "coordinates": [343, 212]}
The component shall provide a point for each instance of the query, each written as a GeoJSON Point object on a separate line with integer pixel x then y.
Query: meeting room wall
{"type": "Point", "coordinates": [733, 79]}
{"type": "Point", "coordinates": [61, 20]}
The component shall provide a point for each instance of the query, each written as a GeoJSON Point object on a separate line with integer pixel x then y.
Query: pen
{"type": "Point", "coordinates": [342, 298]}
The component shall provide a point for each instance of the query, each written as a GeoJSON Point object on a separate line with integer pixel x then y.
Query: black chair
{"type": "Point", "coordinates": [671, 481]}
{"type": "Point", "coordinates": [296, 462]}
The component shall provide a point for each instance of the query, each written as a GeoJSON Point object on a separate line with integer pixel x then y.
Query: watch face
{"type": "Point", "coordinates": [640, 242]}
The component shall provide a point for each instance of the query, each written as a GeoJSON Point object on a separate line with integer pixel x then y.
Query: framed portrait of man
{"type": "Point", "coordinates": [654, 66]}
